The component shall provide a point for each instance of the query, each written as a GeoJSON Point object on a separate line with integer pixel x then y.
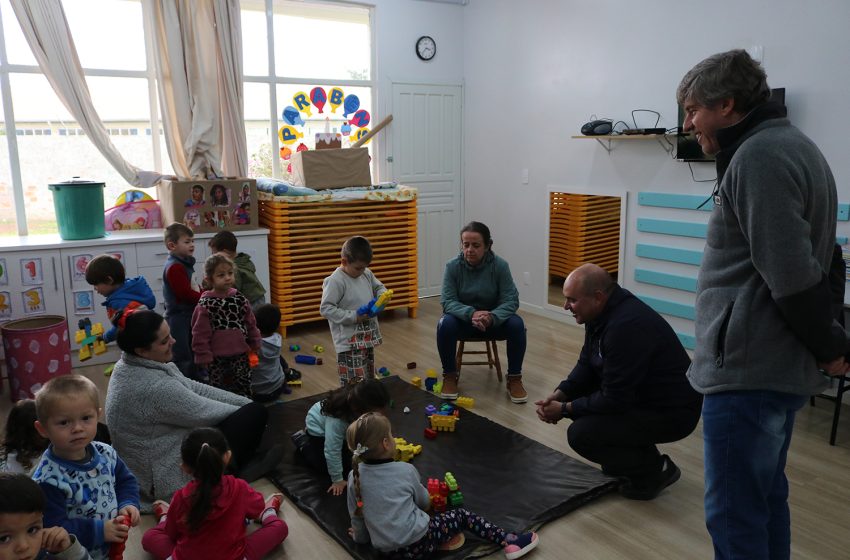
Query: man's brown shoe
{"type": "Point", "coordinates": [515, 389]}
{"type": "Point", "coordinates": [449, 391]}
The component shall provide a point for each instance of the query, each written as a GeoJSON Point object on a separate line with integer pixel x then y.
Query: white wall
{"type": "Point", "coordinates": [398, 24]}
{"type": "Point", "coordinates": [534, 73]}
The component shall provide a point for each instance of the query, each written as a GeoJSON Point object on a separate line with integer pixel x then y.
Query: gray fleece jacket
{"type": "Point", "coordinates": [763, 317]}
{"type": "Point", "coordinates": [150, 407]}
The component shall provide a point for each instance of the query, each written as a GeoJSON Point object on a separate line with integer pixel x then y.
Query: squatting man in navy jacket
{"type": "Point", "coordinates": [628, 391]}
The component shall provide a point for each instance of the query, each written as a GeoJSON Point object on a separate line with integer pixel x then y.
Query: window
{"type": "Point", "coordinates": [312, 45]}
{"type": "Point", "coordinates": [51, 145]}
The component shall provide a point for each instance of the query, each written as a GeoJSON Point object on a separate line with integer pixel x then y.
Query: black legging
{"type": "Point", "coordinates": [244, 431]}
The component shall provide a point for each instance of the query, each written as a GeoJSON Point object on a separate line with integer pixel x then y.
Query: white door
{"type": "Point", "coordinates": [425, 152]}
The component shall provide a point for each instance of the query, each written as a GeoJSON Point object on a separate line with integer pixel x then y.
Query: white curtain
{"type": "Point", "coordinates": [46, 30]}
{"type": "Point", "coordinates": [198, 56]}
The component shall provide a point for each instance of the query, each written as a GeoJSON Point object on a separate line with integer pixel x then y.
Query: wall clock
{"type": "Point", "coordinates": [426, 48]}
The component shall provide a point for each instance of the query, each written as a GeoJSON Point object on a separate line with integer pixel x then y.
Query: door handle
{"type": "Point", "coordinates": [390, 159]}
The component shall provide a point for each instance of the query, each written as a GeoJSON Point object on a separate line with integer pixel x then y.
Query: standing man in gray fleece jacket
{"type": "Point", "coordinates": [764, 323]}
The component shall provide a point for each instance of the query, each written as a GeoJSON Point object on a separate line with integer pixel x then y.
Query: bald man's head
{"type": "Point", "coordinates": [586, 292]}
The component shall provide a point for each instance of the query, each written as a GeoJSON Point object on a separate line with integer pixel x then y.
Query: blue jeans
{"type": "Point", "coordinates": [450, 329]}
{"type": "Point", "coordinates": [746, 437]}
{"type": "Point", "coordinates": [180, 324]}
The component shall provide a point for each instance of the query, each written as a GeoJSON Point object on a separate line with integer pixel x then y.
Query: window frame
{"type": "Point", "coordinates": [271, 80]}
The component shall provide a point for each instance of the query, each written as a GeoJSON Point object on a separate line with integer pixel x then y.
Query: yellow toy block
{"type": "Point", "coordinates": [430, 373]}
{"type": "Point", "coordinates": [465, 402]}
{"type": "Point", "coordinates": [406, 451]}
{"type": "Point", "coordinates": [294, 383]}
{"type": "Point", "coordinates": [443, 423]}
{"type": "Point", "coordinates": [417, 381]}
{"type": "Point", "coordinates": [85, 353]}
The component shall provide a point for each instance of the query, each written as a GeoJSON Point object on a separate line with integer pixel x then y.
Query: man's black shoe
{"type": "Point", "coordinates": [648, 489]}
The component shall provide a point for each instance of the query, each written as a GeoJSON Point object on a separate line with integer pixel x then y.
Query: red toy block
{"type": "Point", "coordinates": [430, 434]}
{"type": "Point", "coordinates": [116, 550]}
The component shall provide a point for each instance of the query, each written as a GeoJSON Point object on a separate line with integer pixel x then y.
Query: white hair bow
{"type": "Point", "coordinates": [360, 450]}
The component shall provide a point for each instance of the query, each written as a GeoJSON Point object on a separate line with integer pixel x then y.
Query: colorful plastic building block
{"type": "Point", "coordinates": [294, 382]}
{"type": "Point", "coordinates": [417, 381]}
{"type": "Point", "coordinates": [376, 305]}
{"type": "Point", "coordinates": [430, 434]}
{"type": "Point", "coordinates": [89, 339]}
{"type": "Point", "coordinates": [253, 359]}
{"type": "Point", "coordinates": [429, 383]}
{"type": "Point", "coordinates": [433, 487]}
{"type": "Point", "coordinates": [455, 499]}
{"type": "Point", "coordinates": [384, 372]}
{"type": "Point", "coordinates": [319, 348]}
{"type": "Point", "coordinates": [116, 549]}
{"type": "Point", "coordinates": [294, 348]}
{"type": "Point", "coordinates": [305, 359]}
{"type": "Point", "coordinates": [411, 365]}
{"type": "Point", "coordinates": [465, 402]}
{"type": "Point", "coordinates": [443, 423]}
{"type": "Point", "coordinates": [438, 387]}
{"type": "Point", "coordinates": [431, 373]}
{"type": "Point", "coordinates": [451, 482]}
{"type": "Point", "coordinates": [405, 451]}
{"type": "Point", "coordinates": [446, 409]}
{"type": "Point", "coordinates": [438, 503]}
{"type": "Point", "coordinates": [430, 409]}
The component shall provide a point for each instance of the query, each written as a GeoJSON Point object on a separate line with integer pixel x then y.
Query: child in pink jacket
{"type": "Point", "coordinates": [224, 330]}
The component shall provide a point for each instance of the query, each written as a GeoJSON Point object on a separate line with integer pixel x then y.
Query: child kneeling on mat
{"type": "Point", "coordinates": [387, 502]}
{"type": "Point", "coordinates": [206, 518]}
{"type": "Point", "coordinates": [322, 442]}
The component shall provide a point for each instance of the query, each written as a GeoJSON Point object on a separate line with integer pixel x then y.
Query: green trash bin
{"type": "Point", "coordinates": [79, 208]}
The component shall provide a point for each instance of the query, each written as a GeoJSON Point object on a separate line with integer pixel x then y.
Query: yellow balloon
{"type": "Point", "coordinates": [302, 102]}
{"type": "Point", "coordinates": [335, 98]}
{"type": "Point", "coordinates": [360, 134]}
{"type": "Point", "coordinates": [289, 134]}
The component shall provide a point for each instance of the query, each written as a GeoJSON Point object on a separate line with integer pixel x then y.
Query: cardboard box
{"type": "Point", "coordinates": [331, 169]}
{"type": "Point", "coordinates": [210, 206]}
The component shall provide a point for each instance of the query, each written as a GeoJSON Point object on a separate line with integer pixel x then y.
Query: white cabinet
{"type": "Point", "coordinates": [46, 275]}
{"type": "Point", "coordinates": [31, 284]}
{"type": "Point", "coordinates": [82, 302]}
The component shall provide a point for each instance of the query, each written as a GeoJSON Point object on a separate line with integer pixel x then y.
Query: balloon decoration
{"type": "Point", "coordinates": [318, 97]}
{"type": "Point", "coordinates": [351, 104]}
{"type": "Point", "coordinates": [360, 134]}
{"type": "Point", "coordinates": [302, 103]}
{"type": "Point", "coordinates": [289, 134]}
{"type": "Point", "coordinates": [292, 120]}
{"type": "Point", "coordinates": [361, 118]}
{"type": "Point", "coordinates": [292, 117]}
{"type": "Point", "coordinates": [335, 98]}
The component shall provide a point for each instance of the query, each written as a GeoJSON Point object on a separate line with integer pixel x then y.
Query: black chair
{"type": "Point", "coordinates": [843, 386]}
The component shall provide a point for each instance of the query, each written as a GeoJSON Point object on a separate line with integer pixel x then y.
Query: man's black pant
{"type": "Point", "coordinates": [624, 444]}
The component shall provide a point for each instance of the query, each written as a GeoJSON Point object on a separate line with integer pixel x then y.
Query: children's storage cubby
{"type": "Point", "coordinates": [305, 239]}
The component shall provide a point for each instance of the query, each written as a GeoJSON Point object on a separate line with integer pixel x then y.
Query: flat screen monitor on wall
{"type": "Point", "coordinates": [688, 149]}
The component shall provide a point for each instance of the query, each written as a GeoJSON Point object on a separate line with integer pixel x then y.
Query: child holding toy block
{"type": "Point", "coordinates": [349, 298]}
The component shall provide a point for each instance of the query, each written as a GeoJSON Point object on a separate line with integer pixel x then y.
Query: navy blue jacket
{"type": "Point", "coordinates": [631, 358]}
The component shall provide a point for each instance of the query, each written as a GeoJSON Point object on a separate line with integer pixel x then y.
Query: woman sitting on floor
{"type": "Point", "coordinates": [151, 407]}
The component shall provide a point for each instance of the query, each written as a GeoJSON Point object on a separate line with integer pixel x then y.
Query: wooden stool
{"type": "Point", "coordinates": [491, 350]}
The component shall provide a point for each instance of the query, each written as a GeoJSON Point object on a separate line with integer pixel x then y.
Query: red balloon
{"type": "Point", "coordinates": [318, 97]}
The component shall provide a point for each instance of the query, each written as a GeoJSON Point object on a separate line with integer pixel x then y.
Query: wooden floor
{"type": "Point", "coordinates": [611, 528]}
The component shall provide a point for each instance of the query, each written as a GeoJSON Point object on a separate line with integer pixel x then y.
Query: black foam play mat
{"type": "Point", "coordinates": [504, 476]}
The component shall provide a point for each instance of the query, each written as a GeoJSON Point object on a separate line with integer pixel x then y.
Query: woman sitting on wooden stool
{"type": "Point", "coordinates": [480, 301]}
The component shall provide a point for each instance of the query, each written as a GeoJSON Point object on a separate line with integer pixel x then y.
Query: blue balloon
{"type": "Point", "coordinates": [292, 116]}
{"type": "Point", "coordinates": [352, 103]}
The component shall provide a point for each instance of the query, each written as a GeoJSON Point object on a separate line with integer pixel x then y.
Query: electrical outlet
{"type": "Point", "coordinates": [526, 278]}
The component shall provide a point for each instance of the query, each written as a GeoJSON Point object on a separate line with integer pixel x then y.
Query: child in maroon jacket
{"type": "Point", "coordinates": [224, 330]}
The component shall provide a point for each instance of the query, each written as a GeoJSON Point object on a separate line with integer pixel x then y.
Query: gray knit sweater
{"type": "Point", "coordinates": [150, 407]}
